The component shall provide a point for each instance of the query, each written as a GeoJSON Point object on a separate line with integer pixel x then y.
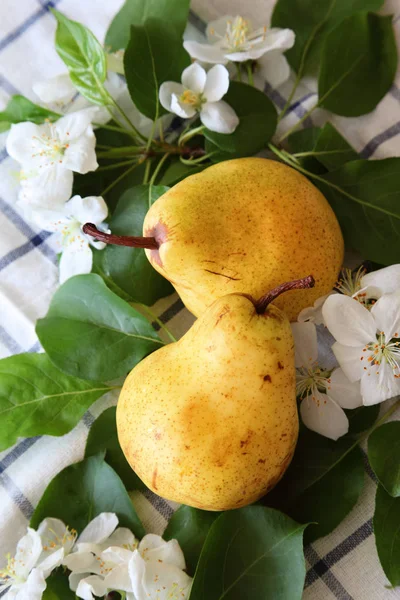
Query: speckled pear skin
{"type": "Point", "coordinates": [211, 420]}
{"type": "Point", "coordinates": [245, 225]}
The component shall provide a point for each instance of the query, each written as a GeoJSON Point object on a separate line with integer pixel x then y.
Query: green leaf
{"type": "Point", "coordinates": [387, 534]}
{"type": "Point", "coordinates": [362, 418]}
{"type": "Point", "coordinates": [190, 527]}
{"type": "Point", "coordinates": [89, 332]}
{"type": "Point", "coordinates": [253, 552]}
{"type": "Point", "coordinates": [312, 21]}
{"type": "Point", "coordinates": [57, 586]}
{"type": "Point", "coordinates": [303, 141]}
{"type": "Point", "coordinates": [37, 399]}
{"type": "Point", "coordinates": [84, 57]}
{"type": "Point", "coordinates": [369, 209]}
{"type": "Point", "coordinates": [257, 124]}
{"type": "Point", "coordinates": [154, 54]}
{"type": "Point", "coordinates": [332, 149]}
{"type": "Point", "coordinates": [384, 456]}
{"type": "Point", "coordinates": [177, 171]}
{"type": "Point", "coordinates": [319, 466]}
{"type": "Point", "coordinates": [137, 12]}
{"type": "Point", "coordinates": [84, 490]}
{"type": "Point", "coordinates": [103, 436]}
{"type": "Point", "coordinates": [352, 82]}
{"type": "Point", "coordinates": [20, 109]}
{"type": "Point", "coordinates": [129, 268]}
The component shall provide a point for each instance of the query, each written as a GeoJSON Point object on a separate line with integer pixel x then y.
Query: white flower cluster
{"type": "Point", "coordinates": [364, 319]}
{"type": "Point", "coordinates": [103, 558]}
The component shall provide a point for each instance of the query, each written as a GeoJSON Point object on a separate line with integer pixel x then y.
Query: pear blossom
{"type": "Point", "coordinates": [324, 393]}
{"type": "Point", "coordinates": [367, 343]}
{"type": "Point", "coordinates": [37, 554]}
{"type": "Point", "coordinates": [201, 93]}
{"type": "Point", "coordinates": [49, 153]}
{"type": "Point", "coordinates": [234, 39]}
{"type": "Point", "coordinates": [67, 221]}
{"type": "Point", "coordinates": [364, 287]}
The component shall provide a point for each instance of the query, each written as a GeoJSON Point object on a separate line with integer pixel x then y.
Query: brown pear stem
{"type": "Point", "coordinates": [298, 284]}
{"type": "Point", "coordinates": [121, 240]}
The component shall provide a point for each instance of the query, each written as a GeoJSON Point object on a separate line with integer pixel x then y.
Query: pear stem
{"type": "Point", "coordinates": [299, 284]}
{"type": "Point", "coordinates": [120, 240]}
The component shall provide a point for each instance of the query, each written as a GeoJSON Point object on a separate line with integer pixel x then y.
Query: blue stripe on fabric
{"type": "Point", "coordinates": [3, 155]}
{"type": "Point", "coordinates": [36, 347]}
{"type": "Point", "coordinates": [8, 86]}
{"type": "Point", "coordinates": [197, 22]}
{"type": "Point", "coordinates": [327, 576]}
{"type": "Point", "coordinates": [280, 101]}
{"type": "Point", "coordinates": [15, 493]}
{"type": "Point", "coordinates": [9, 342]}
{"type": "Point", "coordinates": [395, 92]}
{"type": "Point", "coordinates": [379, 139]}
{"type": "Point", "coordinates": [18, 31]}
{"type": "Point", "coordinates": [298, 103]}
{"type": "Point", "coordinates": [17, 452]}
{"type": "Point", "coordinates": [35, 242]}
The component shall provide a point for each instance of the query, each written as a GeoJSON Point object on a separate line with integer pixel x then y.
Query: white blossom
{"type": "Point", "coordinates": [234, 39]}
{"type": "Point", "coordinates": [49, 153]}
{"type": "Point", "coordinates": [324, 392]}
{"type": "Point", "coordinates": [67, 221]}
{"type": "Point", "coordinates": [201, 93]}
{"type": "Point", "coordinates": [368, 343]}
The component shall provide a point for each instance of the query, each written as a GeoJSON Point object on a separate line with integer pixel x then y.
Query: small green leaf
{"type": "Point", "coordinates": [332, 149]}
{"type": "Point", "coordinates": [305, 140]}
{"type": "Point", "coordinates": [319, 466]}
{"type": "Point", "coordinates": [384, 456]}
{"type": "Point", "coordinates": [129, 268]}
{"type": "Point", "coordinates": [257, 124]}
{"type": "Point", "coordinates": [190, 527]}
{"type": "Point", "coordinates": [362, 418]}
{"type": "Point", "coordinates": [137, 12]}
{"type": "Point", "coordinates": [253, 552]}
{"type": "Point", "coordinates": [177, 171]}
{"type": "Point", "coordinates": [84, 490]}
{"type": "Point", "coordinates": [352, 82]}
{"type": "Point", "coordinates": [89, 332]}
{"type": "Point", "coordinates": [83, 55]}
{"type": "Point", "coordinates": [312, 21]}
{"type": "Point", "coordinates": [103, 436]}
{"type": "Point", "coordinates": [387, 534]}
{"type": "Point", "coordinates": [38, 399]}
{"type": "Point", "coordinates": [57, 586]}
{"type": "Point", "coordinates": [154, 54]}
{"type": "Point", "coordinates": [20, 109]}
{"type": "Point", "coordinates": [369, 209]}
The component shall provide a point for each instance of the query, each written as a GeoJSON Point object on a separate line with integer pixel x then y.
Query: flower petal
{"type": "Point", "coordinates": [182, 109]}
{"type": "Point", "coordinates": [194, 78]}
{"type": "Point", "coordinates": [349, 358]}
{"type": "Point", "coordinates": [216, 30]}
{"type": "Point", "coordinates": [73, 125]}
{"type": "Point", "coordinates": [74, 579]}
{"type": "Point", "coordinates": [89, 586]}
{"type": "Point", "coordinates": [157, 580]}
{"type": "Point", "coordinates": [122, 537]}
{"type": "Point", "coordinates": [20, 141]}
{"type": "Point", "coordinates": [379, 384]}
{"type": "Point", "coordinates": [344, 392]}
{"type": "Point", "coordinates": [119, 579]}
{"type": "Point", "coordinates": [153, 547]}
{"type": "Point", "coordinates": [386, 312]}
{"type": "Point", "coordinates": [81, 562]}
{"type": "Point", "coordinates": [384, 281]}
{"type": "Point", "coordinates": [56, 89]}
{"type": "Point", "coordinates": [167, 89]}
{"type": "Point", "coordinates": [205, 52]}
{"type": "Point", "coordinates": [274, 68]}
{"type": "Point", "coordinates": [273, 39]}
{"type": "Point", "coordinates": [219, 117]}
{"type": "Point", "coordinates": [49, 188]}
{"type": "Point", "coordinates": [98, 530]}
{"type": "Point", "coordinates": [305, 344]}
{"type": "Point", "coordinates": [80, 156]}
{"type": "Point", "coordinates": [91, 209]}
{"type": "Point", "coordinates": [217, 83]}
{"type": "Point", "coordinates": [53, 560]}
{"type": "Point", "coordinates": [321, 414]}
{"type": "Point", "coordinates": [29, 549]}
{"type": "Point", "coordinates": [349, 322]}
{"type": "Point", "coordinates": [76, 259]}
{"type": "Point", "coordinates": [313, 313]}
{"type": "Point", "coordinates": [33, 588]}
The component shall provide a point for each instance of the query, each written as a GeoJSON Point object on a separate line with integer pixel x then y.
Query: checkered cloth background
{"type": "Point", "coordinates": [343, 565]}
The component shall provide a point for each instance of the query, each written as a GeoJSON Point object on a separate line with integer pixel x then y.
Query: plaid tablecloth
{"type": "Point", "coordinates": [343, 565]}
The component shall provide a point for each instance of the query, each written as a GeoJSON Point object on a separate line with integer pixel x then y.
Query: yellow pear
{"type": "Point", "coordinates": [211, 420]}
{"type": "Point", "coordinates": [245, 225]}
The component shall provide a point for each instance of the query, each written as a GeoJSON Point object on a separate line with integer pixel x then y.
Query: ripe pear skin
{"type": "Point", "coordinates": [211, 420]}
{"type": "Point", "coordinates": [245, 225]}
